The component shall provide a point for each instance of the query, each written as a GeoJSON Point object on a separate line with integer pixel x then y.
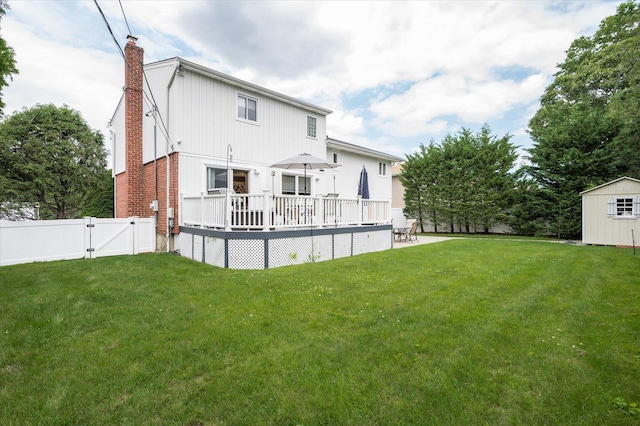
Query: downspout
{"type": "Point", "coordinates": [176, 70]}
{"type": "Point", "coordinates": [169, 220]}
{"type": "Point", "coordinates": [113, 167]}
{"type": "Point", "coordinates": [155, 166]}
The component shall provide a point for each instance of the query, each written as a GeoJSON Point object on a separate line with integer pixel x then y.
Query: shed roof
{"type": "Point", "coordinates": [610, 183]}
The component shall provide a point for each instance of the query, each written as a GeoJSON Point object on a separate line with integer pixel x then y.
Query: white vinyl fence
{"type": "Point", "coordinates": [45, 240]}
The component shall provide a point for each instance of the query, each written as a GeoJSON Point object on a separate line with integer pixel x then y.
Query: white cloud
{"type": "Point", "coordinates": [416, 68]}
{"type": "Point", "coordinates": [424, 107]}
{"type": "Point", "coordinates": [87, 80]}
{"type": "Point", "coordinates": [344, 126]}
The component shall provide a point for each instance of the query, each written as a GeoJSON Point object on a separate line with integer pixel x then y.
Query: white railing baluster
{"type": "Point", "coordinates": [265, 211]}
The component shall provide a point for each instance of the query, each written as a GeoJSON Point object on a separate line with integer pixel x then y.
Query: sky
{"type": "Point", "coordinates": [395, 74]}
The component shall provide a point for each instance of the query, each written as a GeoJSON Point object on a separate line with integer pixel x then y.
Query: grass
{"type": "Point", "coordinates": [460, 332]}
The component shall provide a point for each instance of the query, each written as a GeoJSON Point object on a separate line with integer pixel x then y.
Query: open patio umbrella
{"type": "Point", "coordinates": [363, 184]}
{"type": "Point", "coordinates": [304, 161]}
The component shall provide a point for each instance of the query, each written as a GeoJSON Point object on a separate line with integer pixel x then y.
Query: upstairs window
{"type": "Point", "coordinates": [311, 127]}
{"type": "Point", "coordinates": [382, 169]}
{"type": "Point", "coordinates": [624, 207]}
{"type": "Point", "coordinates": [335, 158]}
{"type": "Point", "coordinates": [247, 108]}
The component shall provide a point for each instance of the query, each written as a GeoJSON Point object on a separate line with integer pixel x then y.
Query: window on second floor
{"type": "Point", "coordinates": [311, 127]}
{"type": "Point", "coordinates": [382, 169]}
{"type": "Point", "coordinates": [247, 108]}
{"type": "Point", "coordinates": [335, 158]}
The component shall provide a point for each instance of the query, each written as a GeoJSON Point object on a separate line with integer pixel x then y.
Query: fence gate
{"type": "Point", "coordinates": [65, 239]}
{"type": "Point", "coordinates": [110, 237]}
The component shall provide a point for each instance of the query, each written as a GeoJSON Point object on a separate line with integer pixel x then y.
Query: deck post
{"type": "Point", "coordinates": [266, 210]}
{"type": "Point", "coordinates": [320, 211]}
{"type": "Point", "coordinates": [202, 210]}
{"type": "Point", "coordinates": [227, 210]}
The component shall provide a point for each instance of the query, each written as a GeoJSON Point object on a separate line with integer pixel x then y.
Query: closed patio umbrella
{"type": "Point", "coordinates": [363, 184]}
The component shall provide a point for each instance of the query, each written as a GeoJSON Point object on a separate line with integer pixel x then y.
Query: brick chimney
{"type": "Point", "coordinates": [133, 185]}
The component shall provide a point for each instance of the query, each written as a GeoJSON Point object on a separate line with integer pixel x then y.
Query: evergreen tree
{"type": "Point", "coordinates": [587, 130]}
{"type": "Point", "coordinates": [465, 182]}
{"type": "Point", "coordinates": [420, 178]}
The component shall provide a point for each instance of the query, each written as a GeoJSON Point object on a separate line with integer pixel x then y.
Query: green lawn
{"type": "Point", "coordinates": [464, 332]}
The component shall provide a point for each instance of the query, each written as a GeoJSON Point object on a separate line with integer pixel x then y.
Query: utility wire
{"type": "Point", "coordinates": [151, 100]}
{"type": "Point", "coordinates": [109, 28]}
{"type": "Point", "coordinates": [125, 17]}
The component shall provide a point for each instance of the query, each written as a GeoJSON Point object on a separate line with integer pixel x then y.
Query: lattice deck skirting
{"type": "Point", "coordinates": [272, 249]}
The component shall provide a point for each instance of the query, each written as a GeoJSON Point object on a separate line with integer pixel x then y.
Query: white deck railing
{"type": "Point", "coordinates": [266, 211]}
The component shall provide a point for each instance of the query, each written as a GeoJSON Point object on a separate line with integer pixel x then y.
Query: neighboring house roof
{"type": "Point", "coordinates": [396, 169]}
{"type": "Point", "coordinates": [610, 183]}
{"type": "Point", "coordinates": [349, 147]}
{"type": "Point", "coordinates": [19, 211]}
{"type": "Point", "coordinates": [192, 66]}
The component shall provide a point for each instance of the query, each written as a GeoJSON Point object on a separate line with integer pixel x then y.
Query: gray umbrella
{"type": "Point", "coordinates": [304, 161]}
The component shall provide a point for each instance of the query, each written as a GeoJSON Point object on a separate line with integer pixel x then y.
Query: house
{"type": "Point", "coordinates": [19, 211]}
{"type": "Point", "coordinates": [196, 148]}
{"type": "Point", "coordinates": [611, 213]}
{"type": "Point", "coordinates": [397, 197]}
{"type": "Point", "coordinates": [352, 159]}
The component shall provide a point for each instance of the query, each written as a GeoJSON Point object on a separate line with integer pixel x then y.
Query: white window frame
{"type": "Point", "coordinates": [298, 185]}
{"type": "Point", "coordinates": [210, 169]}
{"type": "Point", "coordinates": [314, 134]}
{"type": "Point", "coordinates": [382, 169]}
{"type": "Point", "coordinates": [623, 207]}
{"type": "Point", "coordinates": [247, 98]}
{"type": "Point", "coordinates": [335, 158]}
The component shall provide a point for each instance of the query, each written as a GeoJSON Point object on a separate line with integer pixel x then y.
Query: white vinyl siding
{"type": "Point", "coordinates": [203, 115]}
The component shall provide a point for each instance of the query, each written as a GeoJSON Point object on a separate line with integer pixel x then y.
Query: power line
{"type": "Point", "coordinates": [109, 28]}
{"type": "Point", "coordinates": [125, 17]}
{"type": "Point", "coordinates": [151, 99]}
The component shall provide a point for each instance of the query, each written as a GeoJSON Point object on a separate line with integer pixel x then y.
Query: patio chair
{"type": "Point", "coordinates": [412, 235]}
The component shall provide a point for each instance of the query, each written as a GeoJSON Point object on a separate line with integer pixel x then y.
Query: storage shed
{"type": "Point", "coordinates": [611, 213]}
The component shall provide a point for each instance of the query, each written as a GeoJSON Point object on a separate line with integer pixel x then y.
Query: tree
{"type": "Point", "coordinates": [478, 180]}
{"type": "Point", "coordinates": [494, 181]}
{"type": "Point", "coordinates": [420, 177]}
{"type": "Point", "coordinates": [7, 58]}
{"type": "Point", "coordinates": [587, 130]}
{"type": "Point", "coordinates": [100, 200]}
{"type": "Point", "coordinates": [50, 156]}
{"type": "Point", "coordinates": [466, 181]}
